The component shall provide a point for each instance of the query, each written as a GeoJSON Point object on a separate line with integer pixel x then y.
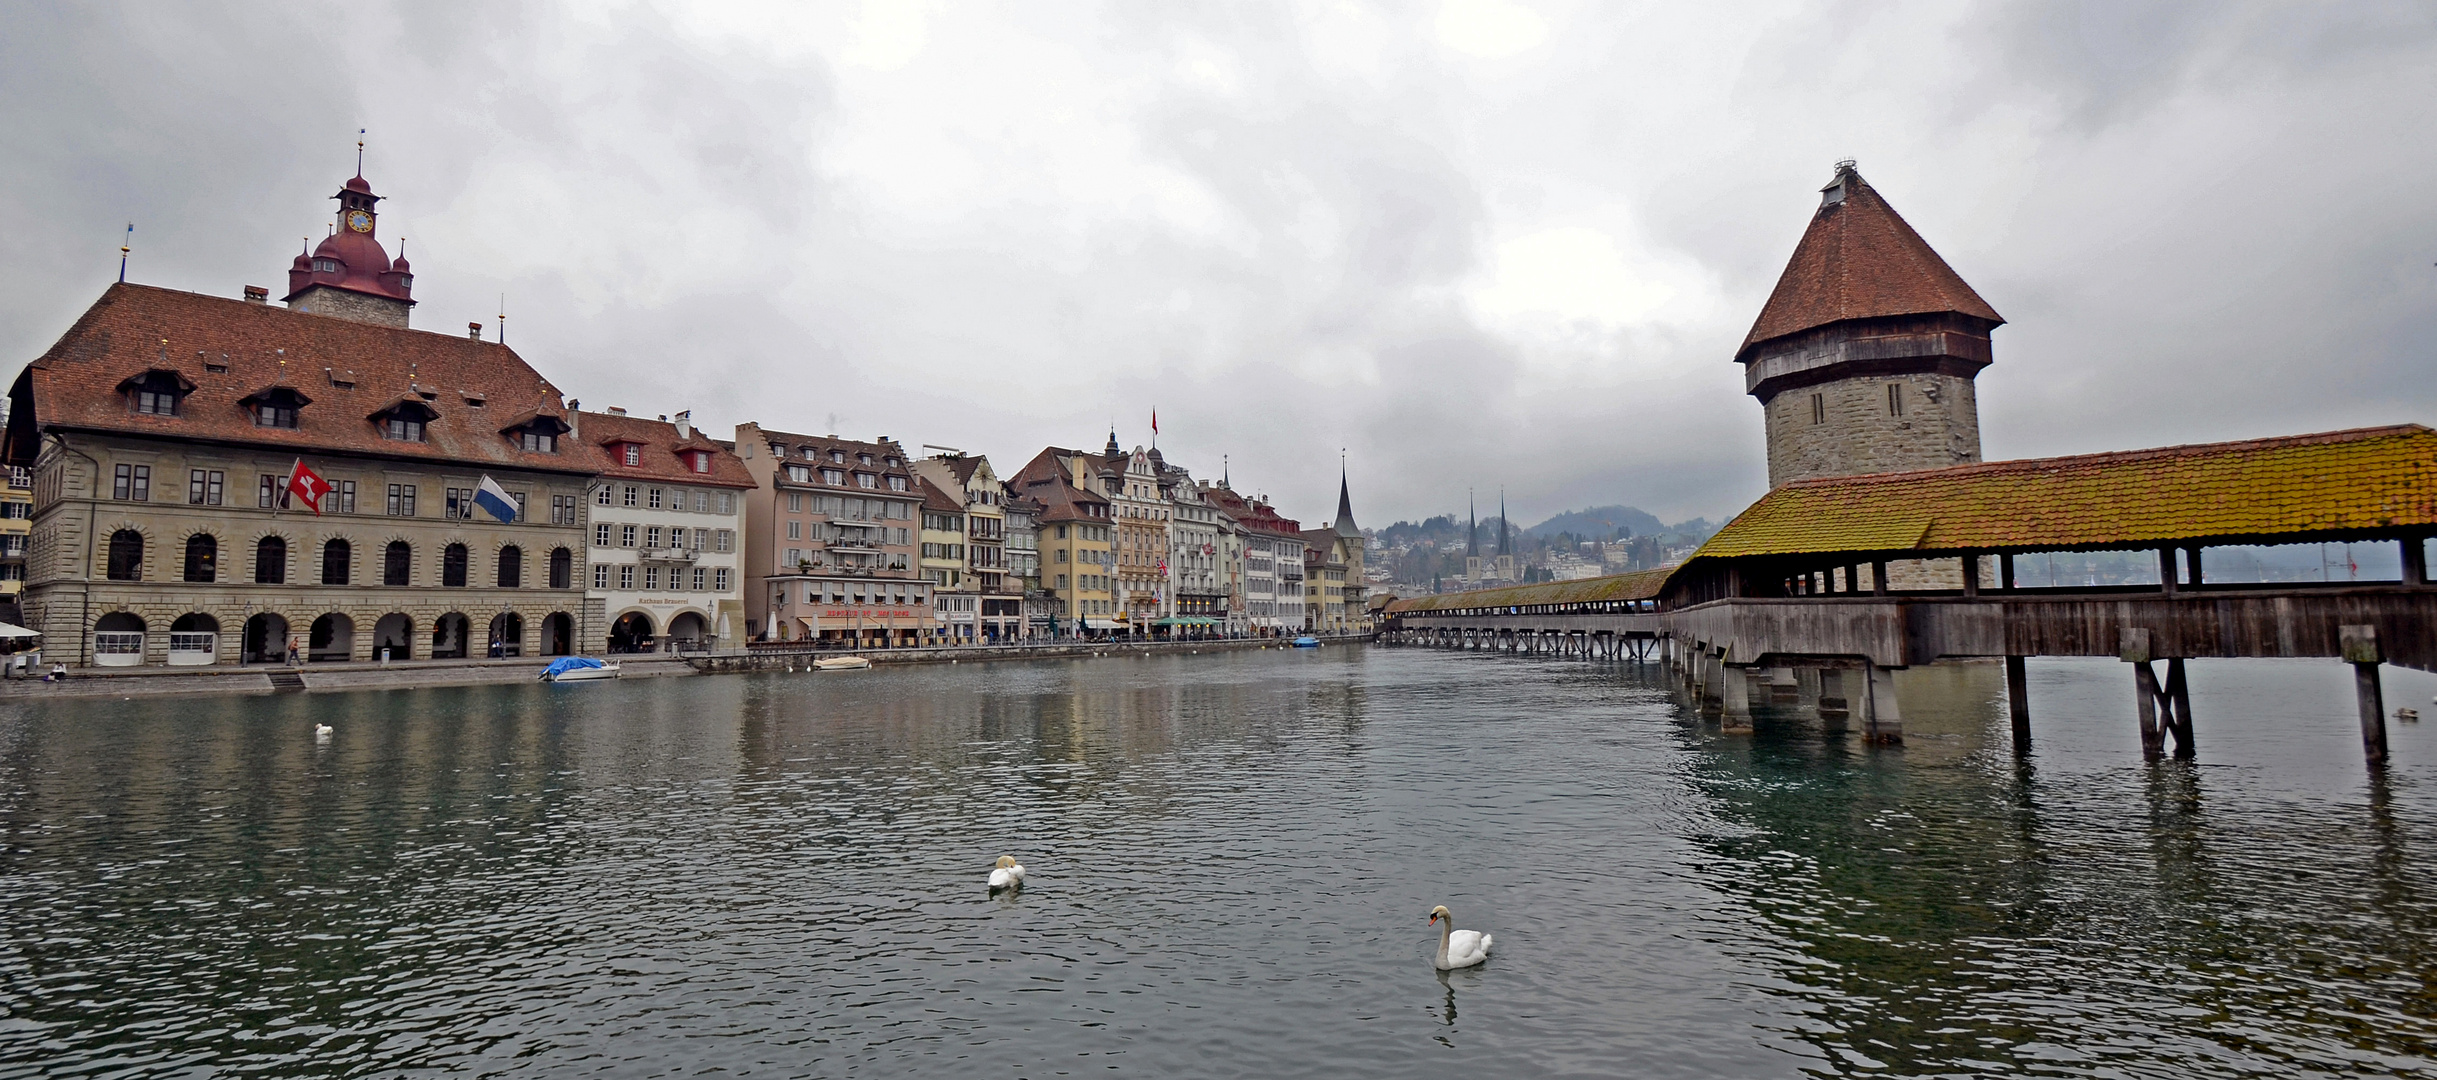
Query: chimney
{"type": "Point", "coordinates": [616, 411]}
{"type": "Point", "coordinates": [256, 294]}
{"type": "Point", "coordinates": [685, 424]}
{"type": "Point", "coordinates": [473, 331]}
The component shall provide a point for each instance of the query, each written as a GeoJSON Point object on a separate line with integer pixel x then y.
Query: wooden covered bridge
{"type": "Point", "coordinates": [1851, 577]}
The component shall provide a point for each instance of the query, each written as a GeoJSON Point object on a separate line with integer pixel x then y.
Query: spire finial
{"type": "Point", "coordinates": [125, 245]}
{"type": "Point", "coordinates": [359, 152]}
{"type": "Point", "coordinates": [503, 314]}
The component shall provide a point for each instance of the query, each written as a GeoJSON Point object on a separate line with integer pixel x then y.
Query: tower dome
{"type": "Point", "coordinates": [1865, 354]}
{"type": "Point", "coordinates": [349, 275]}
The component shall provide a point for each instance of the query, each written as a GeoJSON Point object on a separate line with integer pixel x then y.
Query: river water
{"type": "Point", "coordinates": [1232, 860]}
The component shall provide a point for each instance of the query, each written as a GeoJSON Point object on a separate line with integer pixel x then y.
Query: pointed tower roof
{"type": "Point", "coordinates": [1859, 260]}
{"type": "Point", "coordinates": [1345, 507]}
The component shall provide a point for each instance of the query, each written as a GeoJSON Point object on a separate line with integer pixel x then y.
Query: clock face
{"type": "Point", "coordinates": [359, 221]}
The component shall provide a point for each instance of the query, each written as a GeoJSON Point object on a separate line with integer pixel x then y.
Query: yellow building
{"type": "Point", "coordinates": [16, 520]}
{"type": "Point", "coordinates": [1075, 537]}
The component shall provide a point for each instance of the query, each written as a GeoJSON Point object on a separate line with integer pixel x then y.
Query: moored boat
{"type": "Point", "coordinates": [579, 669]}
{"type": "Point", "coordinates": [1307, 642]}
{"type": "Point", "coordinates": [841, 663]}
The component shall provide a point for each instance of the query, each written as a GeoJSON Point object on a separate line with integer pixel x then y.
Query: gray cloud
{"type": "Point", "coordinates": [1470, 261]}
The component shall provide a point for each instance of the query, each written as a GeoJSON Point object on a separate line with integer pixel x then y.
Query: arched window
{"type": "Point", "coordinates": [202, 558]}
{"type": "Point", "coordinates": [511, 566]}
{"type": "Point", "coordinates": [334, 562]}
{"type": "Point", "coordinates": [126, 555]}
{"type": "Point", "coordinates": [562, 568]}
{"type": "Point", "coordinates": [270, 561]}
{"type": "Point", "coordinates": [452, 566]}
{"type": "Point", "coordinates": [398, 563]}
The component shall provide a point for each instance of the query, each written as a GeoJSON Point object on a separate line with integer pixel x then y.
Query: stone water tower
{"type": "Point", "coordinates": [1864, 357]}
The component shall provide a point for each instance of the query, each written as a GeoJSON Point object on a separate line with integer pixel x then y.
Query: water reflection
{"type": "Point", "coordinates": [1226, 856]}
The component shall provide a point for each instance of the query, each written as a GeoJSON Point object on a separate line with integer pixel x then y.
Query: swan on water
{"type": "Point", "coordinates": [1008, 875]}
{"type": "Point", "coordinates": [1457, 948]}
{"type": "Point", "coordinates": [322, 731]}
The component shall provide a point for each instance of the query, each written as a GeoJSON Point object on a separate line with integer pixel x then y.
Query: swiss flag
{"type": "Point", "coordinates": [307, 487]}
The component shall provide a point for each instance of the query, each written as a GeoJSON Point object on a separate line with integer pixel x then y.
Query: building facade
{"type": "Point", "coordinates": [1131, 482]}
{"type": "Point", "coordinates": [830, 541]}
{"type": "Point", "coordinates": [667, 518]}
{"type": "Point", "coordinates": [954, 594]}
{"type": "Point", "coordinates": [1075, 534]}
{"type": "Point", "coordinates": [161, 429]}
{"type": "Point", "coordinates": [997, 589]}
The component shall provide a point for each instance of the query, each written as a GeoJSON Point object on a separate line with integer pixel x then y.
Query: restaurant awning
{"type": "Point", "coordinates": [1102, 624]}
{"type": "Point", "coordinates": [11, 631]}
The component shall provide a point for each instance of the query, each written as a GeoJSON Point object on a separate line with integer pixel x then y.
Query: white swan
{"type": "Point", "coordinates": [1008, 875]}
{"type": "Point", "coordinates": [322, 731]}
{"type": "Point", "coordinates": [1457, 948]}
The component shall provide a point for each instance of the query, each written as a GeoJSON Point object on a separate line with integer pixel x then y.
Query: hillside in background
{"type": "Point", "coordinates": [1601, 521]}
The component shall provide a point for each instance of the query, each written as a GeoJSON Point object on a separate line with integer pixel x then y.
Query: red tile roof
{"type": "Point", "coordinates": [2367, 480]}
{"type": "Point", "coordinates": [1859, 260]}
{"type": "Point", "coordinates": [350, 371]}
{"type": "Point", "coordinates": [935, 500]}
{"type": "Point", "coordinates": [662, 451]}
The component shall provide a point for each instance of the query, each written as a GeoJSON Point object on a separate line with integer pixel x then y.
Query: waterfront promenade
{"type": "Point", "coordinates": [266, 678]}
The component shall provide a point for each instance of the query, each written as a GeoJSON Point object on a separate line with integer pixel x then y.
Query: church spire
{"type": "Point", "coordinates": [1345, 506]}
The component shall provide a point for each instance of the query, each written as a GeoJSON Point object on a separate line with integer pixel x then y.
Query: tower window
{"type": "Point", "coordinates": [1895, 399]}
{"type": "Point", "coordinates": [1819, 409]}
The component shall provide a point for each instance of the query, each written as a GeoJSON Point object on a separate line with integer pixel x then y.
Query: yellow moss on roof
{"type": "Point", "coordinates": [1638, 585]}
{"type": "Point", "coordinates": [2239, 492]}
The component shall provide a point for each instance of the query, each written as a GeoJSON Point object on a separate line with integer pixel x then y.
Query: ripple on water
{"type": "Point", "coordinates": [1231, 860]}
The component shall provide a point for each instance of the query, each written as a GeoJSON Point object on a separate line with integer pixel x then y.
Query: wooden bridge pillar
{"type": "Point", "coordinates": [1784, 688]}
{"type": "Point", "coordinates": [2018, 691]}
{"type": "Point", "coordinates": [1882, 720]}
{"type": "Point", "coordinates": [2360, 645]}
{"type": "Point", "coordinates": [1735, 699]}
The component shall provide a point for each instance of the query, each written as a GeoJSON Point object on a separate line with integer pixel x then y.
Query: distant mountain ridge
{"type": "Point", "coordinates": [1602, 521]}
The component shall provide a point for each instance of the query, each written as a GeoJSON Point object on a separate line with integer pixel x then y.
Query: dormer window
{"type": "Point", "coordinates": [811, 454]}
{"type": "Point", "coordinates": [866, 480]}
{"type": "Point", "coordinates": [837, 457]}
{"type": "Point", "coordinates": [864, 458]}
{"type": "Point", "coordinates": [535, 433]}
{"type": "Point", "coordinates": [799, 474]}
{"type": "Point", "coordinates": [326, 266]}
{"type": "Point", "coordinates": [833, 476]}
{"type": "Point", "coordinates": [896, 483]}
{"type": "Point", "coordinates": [698, 460]}
{"type": "Point", "coordinates": [630, 454]}
{"type": "Point", "coordinates": [404, 420]}
{"type": "Point", "coordinates": [275, 406]}
{"type": "Point", "coordinates": [157, 392]}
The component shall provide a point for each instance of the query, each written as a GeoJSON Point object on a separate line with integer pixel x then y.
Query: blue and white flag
{"type": "Point", "coordinates": [494, 498]}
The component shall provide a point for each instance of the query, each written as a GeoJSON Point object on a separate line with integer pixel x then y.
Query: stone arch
{"type": "Point", "coordinates": [558, 634]}
{"type": "Point", "coordinates": [690, 628]}
{"type": "Point", "coordinates": [562, 568]}
{"type": "Point", "coordinates": [507, 636]}
{"type": "Point", "coordinates": [331, 638]}
{"type": "Point", "coordinates": [453, 563]}
{"type": "Point", "coordinates": [398, 563]}
{"type": "Point", "coordinates": [264, 639]}
{"type": "Point", "coordinates": [395, 632]}
{"type": "Point", "coordinates": [194, 640]}
{"type": "Point", "coordinates": [449, 633]}
{"type": "Point", "coordinates": [631, 631]}
{"type": "Point", "coordinates": [511, 566]}
{"type": "Point", "coordinates": [118, 639]}
{"type": "Point", "coordinates": [270, 559]}
{"type": "Point", "coordinates": [202, 557]}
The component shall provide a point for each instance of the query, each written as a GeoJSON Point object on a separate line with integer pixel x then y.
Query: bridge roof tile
{"type": "Point", "coordinates": [1638, 585]}
{"type": "Point", "coordinates": [2281, 490]}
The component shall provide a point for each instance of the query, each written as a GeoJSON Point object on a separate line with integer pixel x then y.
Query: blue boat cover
{"type": "Point", "coordinates": [569, 663]}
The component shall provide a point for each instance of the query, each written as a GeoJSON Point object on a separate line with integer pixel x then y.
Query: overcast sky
{"type": "Point", "coordinates": [1473, 243]}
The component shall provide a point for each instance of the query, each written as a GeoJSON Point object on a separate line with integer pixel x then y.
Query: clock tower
{"type": "Point", "coordinates": [350, 276]}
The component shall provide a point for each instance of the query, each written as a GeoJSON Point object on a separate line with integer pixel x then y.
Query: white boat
{"type": "Point", "coordinates": [579, 669]}
{"type": "Point", "coordinates": [841, 663]}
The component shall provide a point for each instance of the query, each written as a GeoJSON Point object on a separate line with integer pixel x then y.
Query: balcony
{"type": "Point", "coordinates": [680, 556]}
